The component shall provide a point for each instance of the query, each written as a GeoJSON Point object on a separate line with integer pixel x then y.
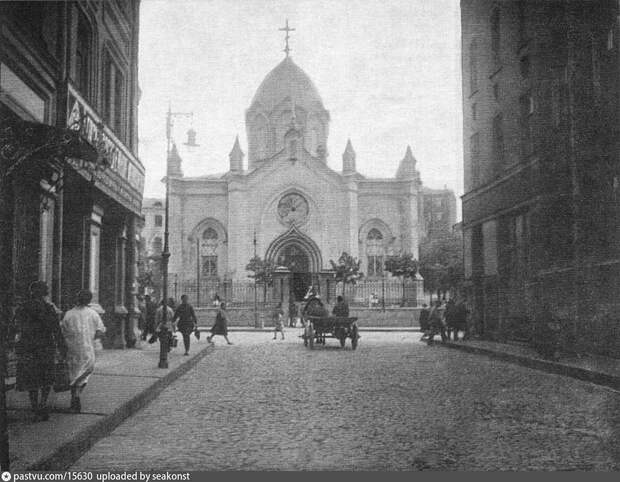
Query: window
{"type": "Point", "coordinates": [610, 39]}
{"type": "Point", "coordinates": [498, 142]}
{"type": "Point", "coordinates": [559, 96]}
{"type": "Point", "coordinates": [157, 245]}
{"type": "Point", "coordinates": [496, 92]}
{"type": "Point", "coordinates": [526, 104]}
{"type": "Point", "coordinates": [473, 66]}
{"type": "Point", "coordinates": [114, 97]}
{"type": "Point", "coordinates": [209, 234]}
{"type": "Point", "coordinates": [522, 22]}
{"type": "Point", "coordinates": [209, 266]}
{"type": "Point", "coordinates": [158, 220]}
{"type": "Point", "coordinates": [82, 57]}
{"type": "Point", "coordinates": [474, 113]}
{"type": "Point", "coordinates": [495, 35]}
{"type": "Point", "coordinates": [375, 252]}
{"type": "Point", "coordinates": [474, 150]}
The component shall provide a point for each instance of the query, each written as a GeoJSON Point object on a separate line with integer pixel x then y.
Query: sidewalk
{"type": "Point", "coordinates": [591, 368]}
{"type": "Point", "coordinates": [123, 382]}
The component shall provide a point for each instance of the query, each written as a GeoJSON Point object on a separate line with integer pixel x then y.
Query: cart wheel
{"type": "Point", "coordinates": [354, 337]}
{"type": "Point", "coordinates": [311, 338]}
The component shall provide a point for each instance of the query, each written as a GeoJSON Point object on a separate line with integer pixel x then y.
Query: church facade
{"type": "Point", "coordinates": [286, 204]}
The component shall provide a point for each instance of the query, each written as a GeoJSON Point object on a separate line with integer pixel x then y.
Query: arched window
{"type": "Point", "coordinates": [375, 252]}
{"type": "Point", "coordinates": [209, 252]}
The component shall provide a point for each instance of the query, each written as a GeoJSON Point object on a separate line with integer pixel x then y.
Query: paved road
{"type": "Point", "coordinates": [394, 404]}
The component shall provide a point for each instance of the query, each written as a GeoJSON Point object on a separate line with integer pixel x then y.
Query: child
{"type": "Point", "coordinates": [278, 315]}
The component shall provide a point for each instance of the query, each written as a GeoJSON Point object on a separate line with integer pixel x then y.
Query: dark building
{"type": "Point", "coordinates": [439, 208]}
{"type": "Point", "coordinates": [70, 181]}
{"type": "Point", "coordinates": [541, 209]}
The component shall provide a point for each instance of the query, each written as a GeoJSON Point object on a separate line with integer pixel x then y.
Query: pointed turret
{"type": "Point", "coordinates": [236, 157]}
{"type": "Point", "coordinates": [348, 159]}
{"type": "Point", "coordinates": [406, 168]}
{"type": "Point", "coordinates": [174, 162]}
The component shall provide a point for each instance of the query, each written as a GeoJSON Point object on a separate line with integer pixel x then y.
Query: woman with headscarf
{"type": "Point", "coordinates": [80, 327]}
{"type": "Point", "coordinates": [39, 337]}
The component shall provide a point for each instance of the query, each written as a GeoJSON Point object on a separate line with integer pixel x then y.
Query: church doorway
{"type": "Point", "coordinates": [297, 261]}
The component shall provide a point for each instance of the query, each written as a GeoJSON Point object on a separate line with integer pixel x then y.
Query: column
{"type": "Point", "coordinates": [130, 284]}
{"type": "Point", "coordinates": [120, 311]}
{"type": "Point", "coordinates": [352, 233]}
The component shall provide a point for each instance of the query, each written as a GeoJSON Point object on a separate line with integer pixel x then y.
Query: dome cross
{"type": "Point", "coordinates": [287, 30]}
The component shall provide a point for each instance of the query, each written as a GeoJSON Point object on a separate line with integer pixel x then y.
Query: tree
{"type": "Point", "coordinates": [441, 263]}
{"type": "Point", "coordinates": [347, 270]}
{"type": "Point", "coordinates": [262, 273]}
{"type": "Point", "coordinates": [404, 266]}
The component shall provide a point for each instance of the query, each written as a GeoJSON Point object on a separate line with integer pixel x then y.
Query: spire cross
{"type": "Point", "coordinates": [287, 30]}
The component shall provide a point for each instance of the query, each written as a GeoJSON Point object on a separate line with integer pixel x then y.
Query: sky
{"type": "Point", "coordinates": [388, 72]}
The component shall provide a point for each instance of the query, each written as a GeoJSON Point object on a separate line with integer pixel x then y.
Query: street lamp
{"type": "Point", "coordinates": [164, 336]}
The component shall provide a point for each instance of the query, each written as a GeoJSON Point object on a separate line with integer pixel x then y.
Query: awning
{"type": "Point", "coordinates": [28, 147]}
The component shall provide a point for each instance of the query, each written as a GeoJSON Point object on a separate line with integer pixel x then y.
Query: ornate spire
{"type": "Point", "coordinates": [287, 30]}
{"type": "Point", "coordinates": [406, 169]}
{"type": "Point", "coordinates": [174, 162]}
{"type": "Point", "coordinates": [236, 157]}
{"type": "Point", "coordinates": [348, 159]}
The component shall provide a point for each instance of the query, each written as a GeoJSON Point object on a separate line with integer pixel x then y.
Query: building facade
{"type": "Point", "coordinates": [439, 208]}
{"type": "Point", "coordinates": [541, 213]}
{"type": "Point", "coordinates": [72, 183]}
{"type": "Point", "coordinates": [286, 204]}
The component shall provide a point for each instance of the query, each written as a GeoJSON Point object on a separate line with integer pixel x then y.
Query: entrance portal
{"type": "Point", "coordinates": [296, 260]}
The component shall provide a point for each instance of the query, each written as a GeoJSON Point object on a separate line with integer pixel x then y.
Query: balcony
{"type": "Point", "coordinates": [123, 180]}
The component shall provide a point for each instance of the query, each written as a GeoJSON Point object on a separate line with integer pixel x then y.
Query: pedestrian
{"type": "Point", "coordinates": [39, 337]}
{"type": "Point", "coordinates": [187, 322]}
{"type": "Point", "coordinates": [341, 309]}
{"type": "Point", "coordinates": [424, 322]}
{"type": "Point", "coordinates": [151, 309]}
{"type": "Point", "coordinates": [216, 301]}
{"type": "Point", "coordinates": [292, 314]}
{"type": "Point", "coordinates": [460, 320]}
{"type": "Point", "coordinates": [437, 323]}
{"type": "Point", "coordinates": [450, 317]}
{"type": "Point", "coordinates": [220, 327]}
{"type": "Point", "coordinates": [165, 330]}
{"type": "Point", "coordinates": [81, 326]}
{"type": "Point", "coordinates": [278, 316]}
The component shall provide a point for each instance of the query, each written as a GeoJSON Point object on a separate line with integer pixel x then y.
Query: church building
{"type": "Point", "coordinates": [285, 203]}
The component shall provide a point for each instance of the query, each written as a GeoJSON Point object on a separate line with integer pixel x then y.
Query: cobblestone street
{"type": "Point", "coordinates": [394, 404]}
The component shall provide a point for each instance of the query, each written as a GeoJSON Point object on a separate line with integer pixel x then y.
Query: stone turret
{"type": "Point", "coordinates": [236, 157]}
{"type": "Point", "coordinates": [406, 168]}
{"type": "Point", "coordinates": [348, 159]}
{"type": "Point", "coordinates": [174, 162]}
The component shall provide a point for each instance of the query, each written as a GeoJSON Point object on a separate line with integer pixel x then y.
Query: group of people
{"type": "Point", "coordinates": [44, 340]}
{"type": "Point", "coordinates": [444, 319]}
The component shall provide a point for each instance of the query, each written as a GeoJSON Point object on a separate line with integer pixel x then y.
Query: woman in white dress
{"type": "Point", "coordinates": [80, 327]}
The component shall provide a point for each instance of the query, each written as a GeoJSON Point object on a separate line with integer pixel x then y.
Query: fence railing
{"type": "Point", "coordinates": [372, 293]}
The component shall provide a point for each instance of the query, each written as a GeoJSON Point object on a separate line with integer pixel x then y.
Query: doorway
{"type": "Point", "coordinates": [297, 261]}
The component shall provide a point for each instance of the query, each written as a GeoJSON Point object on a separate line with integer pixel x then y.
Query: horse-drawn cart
{"type": "Point", "coordinates": [317, 329]}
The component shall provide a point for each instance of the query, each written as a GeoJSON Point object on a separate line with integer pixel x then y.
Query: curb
{"type": "Point", "coordinates": [598, 378]}
{"type": "Point", "coordinates": [68, 453]}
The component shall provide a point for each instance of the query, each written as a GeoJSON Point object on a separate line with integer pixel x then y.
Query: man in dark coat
{"type": "Point", "coordinates": [187, 321]}
{"type": "Point", "coordinates": [450, 317]}
{"type": "Point", "coordinates": [424, 321]}
{"type": "Point", "coordinates": [39, 337]}
{"type": "Point", "coordinates": [341, 309]}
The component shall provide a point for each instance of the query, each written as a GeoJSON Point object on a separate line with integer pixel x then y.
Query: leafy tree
{"type": "Point", "coordinates": [404, 266]}
{"type": "Point", "coordinates": [262, 273]}
{"type": "Point", "coordinates": [441, 263]}
{"type": "Point", "coordinates": [347, 270]}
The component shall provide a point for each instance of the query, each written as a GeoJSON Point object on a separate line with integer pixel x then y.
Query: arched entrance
{"type": "Point", "coordinates": [296, 260]}
{"type": "Point", "coordinates": [300, 255]}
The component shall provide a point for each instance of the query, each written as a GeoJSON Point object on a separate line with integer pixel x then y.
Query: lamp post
{"type": "Point", "coordinates": [164, 335]}
{"type": "Point", "coordinates": [255, 297]}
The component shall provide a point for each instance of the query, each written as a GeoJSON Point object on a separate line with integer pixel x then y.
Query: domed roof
{"type": "Point", "coordinates": [287, 80]}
